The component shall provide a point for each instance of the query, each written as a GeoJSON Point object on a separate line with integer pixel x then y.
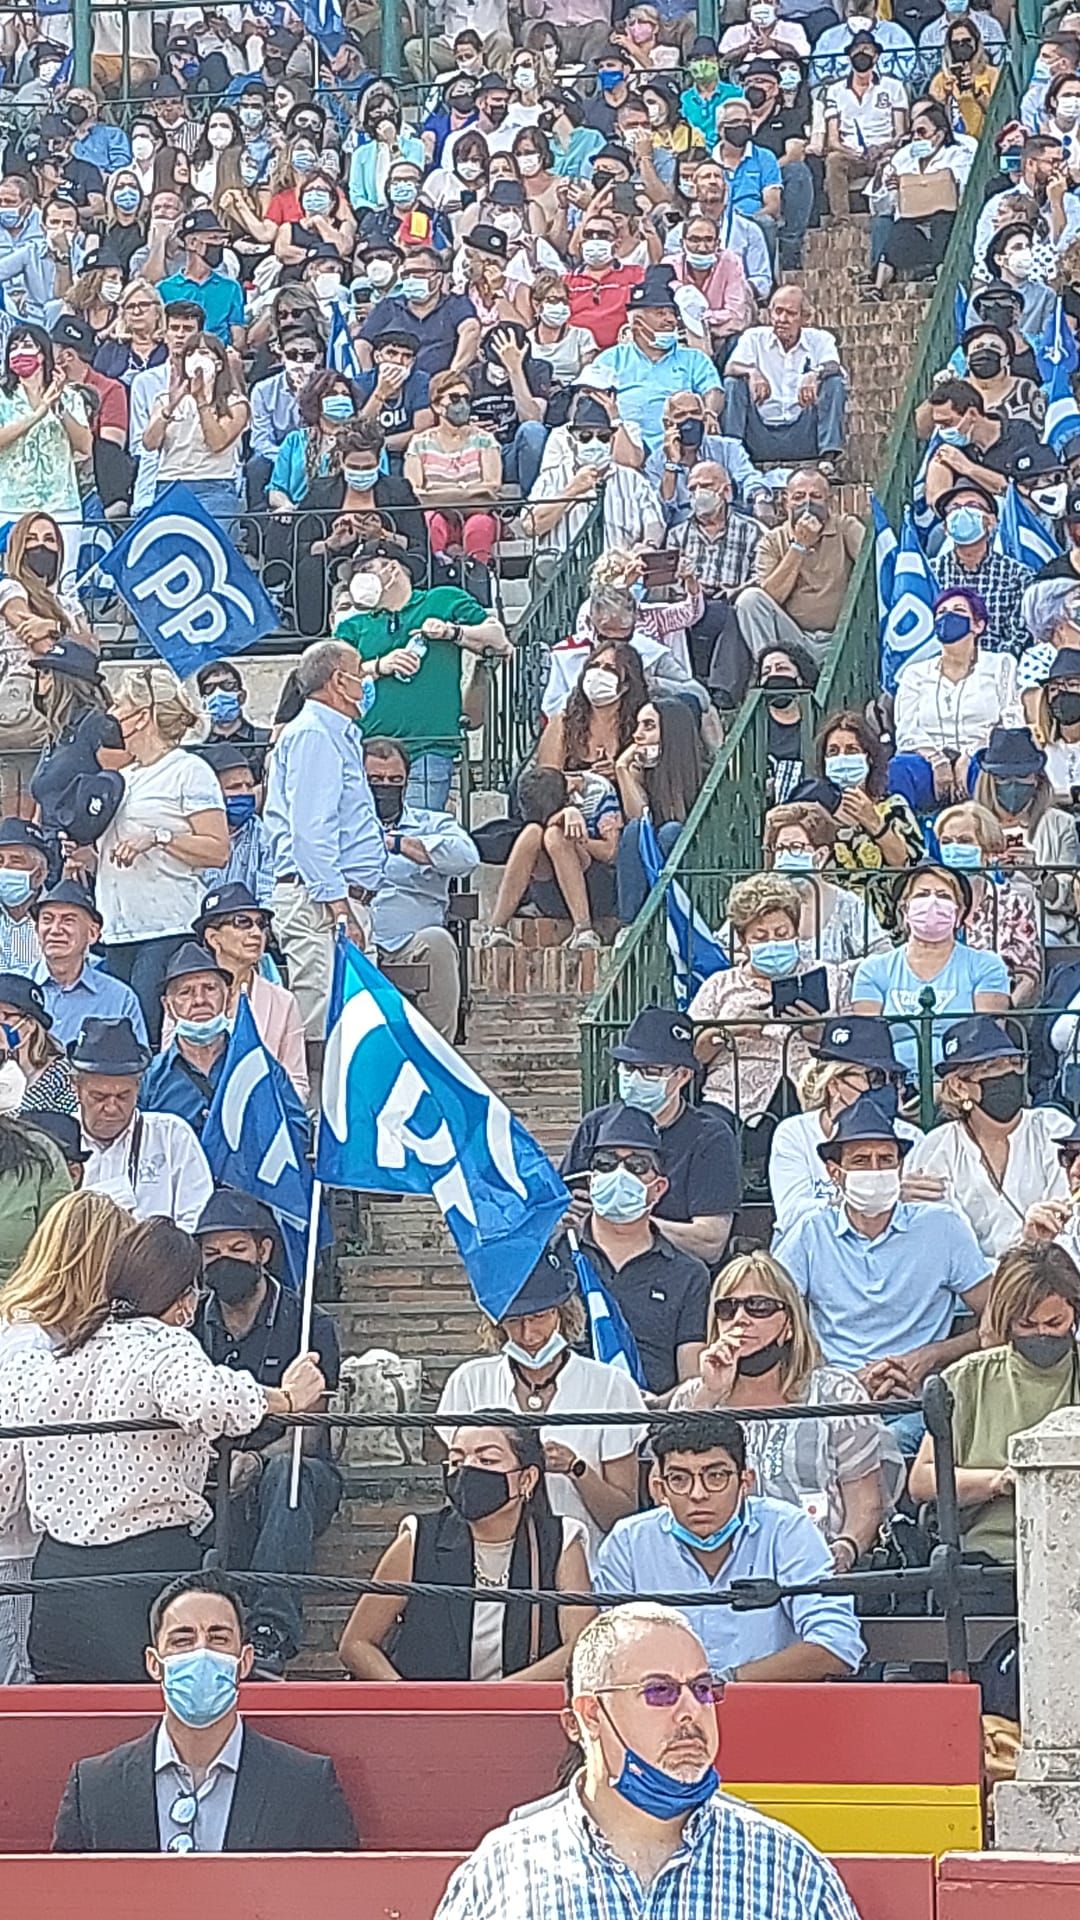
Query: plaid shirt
{"type": "Point", "coordinates": [722, 564]}
{"type": "Point", "coordinates": [1001, 582]}
{"type": "Point", "coordinates": [733, 1861]}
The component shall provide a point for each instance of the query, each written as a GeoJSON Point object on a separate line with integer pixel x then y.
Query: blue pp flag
{"type": "Point", "coordinates": [907, 620]}
{"type": "Point", "coordinates": [256, 1137]}
{"type": "Point", "coordinates": [695, 955]}
{"type": "Point", "coordinates": [193, 596]}
{"type": "Point", "coordinates": [885, 545]}
{"type": "Point", "coordinates": [1056, 345]}
{"type": "Point", "coordinates": [1021, 535]}
{"type": "Point", "coordinates": [1062, 422]}
{"type": "Point", "coordinates": [403, 1113]}
{"type": "Point", "coordinates": [341, 353]}
{"type": "Point", "coordinates": [322, 19]}
{"type": "Point", "coordinates": [960, 307]}
{"type": "Point", "coordinates": [609, 1333]}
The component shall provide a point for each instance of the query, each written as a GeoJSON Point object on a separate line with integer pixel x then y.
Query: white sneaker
{"type": "Point", "coordinates": [582, 939]}
{"type": "Point", "coordinates": [496, 937]}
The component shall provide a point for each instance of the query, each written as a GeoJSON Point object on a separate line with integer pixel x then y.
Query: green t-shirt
{"type": "Point", "coordinates": [997, 1394]}
{"type": "Point", "coordinates": [424, 712]}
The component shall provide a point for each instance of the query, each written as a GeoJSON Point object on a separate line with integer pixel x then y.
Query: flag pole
{"type": "Point", "coordinates": [306, 1316]}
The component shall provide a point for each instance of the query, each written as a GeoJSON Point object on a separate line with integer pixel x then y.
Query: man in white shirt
{"type": "Point", "coordinates": [150, 1163]}
{"type": "Point", "coordinates": [577, 458]}
{"type": "Point", "coordinates": [865, 121]}
{"type": "Point", "coordinates": [183, 323]}
{"type": "Point", "coordinates": [784, 388]}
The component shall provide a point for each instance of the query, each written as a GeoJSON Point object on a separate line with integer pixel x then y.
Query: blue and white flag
{"type": "Point", "coordinates": [907, 627]}
{"type": "Point", "coordinates": [322, 19]}
{"type": "Point", "coordinates": [922, 513]}
{"type": "Point", "coordinates": [1056, 346]}
{"type": "Point", "coordinates": [695, 955]}
{"type": "Point", "coordinates": [403, 1113]}
{"type": "Point", "coordinates": [1021, 535]}
{"type": "Point", "coordinates": [341, 353]}
{"type": "Point", "coordinates": [960, 307]}
{"type": "Point", "coordinates": [609, 1333]}
{"type": "Point", "coordinates": [1062, 422]}
{"type": "Point", "coordinates": [193, 596]}
{"type": "Point", "coordinates": [256, 1137]}
{"type": "Point", "coordinates": [885, 546]}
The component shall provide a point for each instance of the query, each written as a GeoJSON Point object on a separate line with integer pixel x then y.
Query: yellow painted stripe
{"type": "Point", "coordinates": [873, 1819]}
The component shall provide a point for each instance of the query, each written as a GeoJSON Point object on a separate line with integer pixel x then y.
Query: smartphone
{"type": "Point", "coordinates": [811, 988]}
{"type": "Point", "coordinates": [660, 567]}
{"type": "Point", "coordinates": [623, 197]}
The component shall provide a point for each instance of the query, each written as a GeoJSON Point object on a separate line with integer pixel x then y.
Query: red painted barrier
{"type": "Point", "coordinates": [1009, 1886]}
{"type": "Point", "coordinates": [337, 1886]}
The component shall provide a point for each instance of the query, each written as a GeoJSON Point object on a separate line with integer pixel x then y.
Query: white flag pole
{"type": "Point", "coordinates": [306, 1315]}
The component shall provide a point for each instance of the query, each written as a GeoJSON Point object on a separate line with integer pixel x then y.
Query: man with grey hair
{"type": "Point", "coordinates": [784, 388]}
{"type": "Point", "coordinates": [646, 1805]}
{"type": "Point", "coordinates": [326, 844]}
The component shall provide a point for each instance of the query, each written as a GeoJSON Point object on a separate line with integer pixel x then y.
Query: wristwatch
{"type": "Point", "coordinates": [579, 1469]}
{"type": "Point", "coordinates": [163, 836]}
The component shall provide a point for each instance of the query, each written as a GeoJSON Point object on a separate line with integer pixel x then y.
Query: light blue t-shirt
{"type": "Point", "coordinates": [870, 1298]}
{"type": "Point", "coordinates": [643, 385]}
{"type": "Point", "coordinates": [888, 978]}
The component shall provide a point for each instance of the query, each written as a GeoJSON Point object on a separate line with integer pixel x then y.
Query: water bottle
{"type": "Point", "coordinates": [417, 645]}
{"type": "Point", "coordinates": [367, 698]}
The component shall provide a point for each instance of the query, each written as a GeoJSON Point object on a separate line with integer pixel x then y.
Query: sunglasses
{"type": "Point", "coordinates": [245, 922]}
{"type": "Point", "coordinates": [293, 359]}
{"type": "Point", "coordinates": [606, 1161]}
{"type": "Point", "coordinates": [757, 1306]}
{"type": "Point", "coordinates": [667, 1692]}
{"type": "Point", "coordinates": [583, 435]}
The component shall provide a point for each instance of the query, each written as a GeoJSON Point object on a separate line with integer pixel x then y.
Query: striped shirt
{"type": "Point", "coordinates": [19, 950]}
{"type": "Point", "coordinates": [458, 466]}
{"type": "Point", "coordinates": [733, 1863]}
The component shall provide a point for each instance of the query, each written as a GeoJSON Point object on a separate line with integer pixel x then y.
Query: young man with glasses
{"type": "Point", "coordinates": [275, 406]}
{"type": "Point", "coordinates": [709, 1530]}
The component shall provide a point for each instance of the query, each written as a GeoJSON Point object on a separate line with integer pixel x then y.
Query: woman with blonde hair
{"type": "Point", "coordinates": [137, 337]}
{"type": "Point", "coordinates": [94, 294]}
{"type": "Point", "coordinates": [1004, 917]}
{"type": "Point", "coordinates": [760, 1353]}
{"type": "Point", "coordinates": [853, 1056]}
{"type": "Point", "coordinates": [59, 1280]}
{"type": "Point", "coordinates": [169, 826]}
{"type": "Point", "coordinates": [35, 612]}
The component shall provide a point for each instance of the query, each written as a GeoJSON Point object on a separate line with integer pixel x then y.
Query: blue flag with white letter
{"type": "Point", "coordinates": [695, 955]}
{"type": "Point", "coordinates": [403, 1113]}
{"type": "Point", "coordinates": [1062, 422]}
{"type": "Point", "coordinates": [193, 596]}
{"type": "Point", "coordinates": [322, 19]}
{"type": "Point", "coordinates": [256, 1137]}
{"type": "Point", "coordinates": [609, 1333]}
{"type": "Point", "coordinates": [1021, 535]}
{"type": "Point", "coordinates": [341, 353]}
{"type": "Point", "coordinates": [1056, 346]}
{"type": "Point", "coordinates": [907, 618]}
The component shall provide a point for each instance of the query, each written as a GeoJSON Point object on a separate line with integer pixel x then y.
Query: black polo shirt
{"type": "Point", "coordinates": [664, 1295]}
{"type": "Point", "coordinates": [270, 1346]}
{"type": "Point", "coordinates": [701, 1160]}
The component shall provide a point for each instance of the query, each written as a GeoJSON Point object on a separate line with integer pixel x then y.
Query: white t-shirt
{"type": "Point", "coordinates": [158, 894]}
{"type": "Point", "coordinates": [1063, 765]}
{"type": "Point", "coordinates": [156, 1166]}
{"type": "Point", "coordinates": [583, 1386]}
{"type": "Point", "coordinates": [1033, 1172]}
{"type": "Point", "coordinates": [866, 122]}
{"type": "Point", "coordinates": [185, 454]}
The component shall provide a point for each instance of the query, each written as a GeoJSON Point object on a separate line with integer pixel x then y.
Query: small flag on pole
{"type": "Point", "coordinates": [1062, 422]}
{"type": "Point", "coordinates": [695, 954]}
{"type": "Point", "coordinates": [907, 629]}
{"type": "Point", "coordinates": [609, 1333]}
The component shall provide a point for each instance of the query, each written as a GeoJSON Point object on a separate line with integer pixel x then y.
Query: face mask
{"type": "Point", "coordinates": [223, 705]}
{"type": "Point", "coordinates": [794, 860]}
{"type": "Point", "coordinates": [599, 684]}
{"type": "Point", "coordinates": [775, 959]}
{"type": "Point", "coordinates": [1041, 70]}
{"type": "Point", "coordinates": [249, 171]}
{"type": "Point", "coordinates": [640, 32]}
{"type": "Point", "coordinates": [705, 71]}
{"type": "Point", "coordinates": [1009, 163]}
{"type": "Point", "coordinates": [365, 591]}
{"type": "Point", "coordinates": [789, 78]}
{"type": "Point", "coordinates": [13, 1085]}
{"type": "Point", "coordinates": [232, 1280]}
{"type": "Point", "coordinates": [304, 161]}
{"type": "Point", "coordinates": [655, 1792]}
{"type": "Point", "coordinates": [543, 1357]}
{"type": "Point", "coordinates": [43, 562]}
{"type": "Point", "coordinates": [1067, 112]}
{"type": "Point", "coordinates": [111, 290]}
{"type": "Point", "coordinates": [239, 809]}
{"type": "Point", "coordinates": [127, 199]}
{"type": "Point", "coordinates": [524, 79]}
{"type": "Point", "coordinates": [458, 412]}
{"type": "Point", "coordinates": [554, 313]}
{"type": "Point", "coordinates": [1014, 795]}
{"type": "Point", "coordinates": [338, 406]}
{"type": "Point", "coordinates": [762, 16]}
{"type": "Point", "coordinates": [213, 253]}
{"type": "Point", "coordinates": [382, 272]}
{"type": "Point", "coordinates": [415, 289]}
{"type": "Point", "coordinates": [199, 366]}
{"type": "Point", "coordinates": [704, 502]}
{"type": "Point", "coordinates": [476, 1492]}
{"type": "Point", "coordinates": [403, 193]}
{"type": "Point", "coordinates": [142, 147]}
{"type": "Point", "coordinates": [862, 63]}
{"type": "Point", "coordinates": [921, 149]}
{"type": "Point", "coordinates": [737, 133]}
{"type": "Point", "coordinates": [200, 1687]}
{"type": "Point", "coordinates": [389, 801]}
{"type": "Point", "coordinates": [609, 81]}
{"type": "Point", "coordinates": [665, 339]}
{"type": "Point", "coordinates": [952, 627]}
{"type": "Point", "coordinates": [618, 1196]}
{"type": "Point", "coordinates": [711, 1541]}
{"type": "Point", "coordinates": [528, 164]}
{"type": "Point", "coordinates": [597, 253]}
{"type": "Point", "coordinates": [873, 1192]}
{"type": "Point", "coordinates": [985, 363]}
{"type": "Point", "coordinates": [1019, 263]}
{"type": "Point", "coordinates": [963, 50]}
{"type": "Point", "coordinates": [1065, 708]}
{"type": "Point", "coordinates": [317, 200]}
{"type": "Point", "coordinates": [1044, 1350]}
{"type": "Point", "coordinates": [496, 115]}
{"type": "Point", "coordinates": [10, 216]}
{"type": "Point", "coordinates": [965, 525]}
{"type": "Point", "coordinates": [753, 1365]}
{"type": "Point", "coordinates": [931, 918]}
{"type": "Point", "coordinates": [251, 118]}
{"type": "Point", "coordinates": [701, 262]}
{"type": "Point", "coordinates": [593, 454]}
{"type": "Point", "coordinates": [15, 887]}
{"type": "Point", "coordinates": [847, 769]}
{"type": "Point", "coordinates": [1002, 1099]}
{"type": "Point", "coordinates": [201, 1032]}
{"type": "Point", "coordinates": [960, 856]}
{"type": "Point", "coordinates": [511, 224]}
{"type": "Point", "coordinates": [362, 480]}
{"type": "Point", "coordinates": [469, 169]}
{"type": "Point", "coordinates": [1051, 500]}
{"type": "Point", "coordinates": [24, 363]}
{"type": "Point", "coordinates": [219, 138]}
{"type": "Point", "coordinates": [327, 286]}
{"type": "Point", "coordinates": [643, 1091]}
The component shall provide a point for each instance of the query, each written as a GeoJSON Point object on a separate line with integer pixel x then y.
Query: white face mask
{"type": "Point", "coordinates": [873, 1193]}
{"type": "Point", "coordinates": [200, 363]}
{"type": "Point", "coordinates": [112, 289]}
{"type": "Point", "coordinates": [469, 169]}
{"type": "Point", "coordinates": [554, 313]}
{"type": "Point", "coordinates": [142, 147]}
{"type": "Point", "coordinates": [327, 285]}
{"type": "Point", "coordinates": [365, 591]}
{"type": "Point", "coordinates": [12, 1086]}
{"type": "Point", "coordinates": [219, 138]}
{"type": "Point", "coordinates": [528, 164]}
{"type": "Point", "coordinates": [509, 223]}
{"type": "Point", "coordinates": [1019, 262]}
{"type": "Point", "coordinates": [600, 686]}
{"type": "Point", "coordinates": [381, 272]}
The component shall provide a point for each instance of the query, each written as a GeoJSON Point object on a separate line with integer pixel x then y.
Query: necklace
{"type": "Point", "coordinates": [538, 1394]}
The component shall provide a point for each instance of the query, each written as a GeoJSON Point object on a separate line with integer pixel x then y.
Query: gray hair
{"type": "Point", "coordinates": [613, 606]}
{"type": "Point", "coordinates": [598, 1645]}
{"type": "Point", "coordinates": [317, 667]}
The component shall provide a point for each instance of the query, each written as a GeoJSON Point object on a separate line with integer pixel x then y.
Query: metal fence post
{"type": "Point", "coordinates": [82, 30]}
{"type": "Point", "coordinates": [390, 28]}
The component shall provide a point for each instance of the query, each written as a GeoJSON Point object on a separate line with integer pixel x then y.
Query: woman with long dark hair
{"type": "Point", "coordinates": [597, 724]}
{"type": "Point", "coordinates": [496, 1530]}
{"type": "Point", "coordinates": [329, 407]}
{"type": "Point", "coordinates": [660, 774]}
{"type": "Point", "coordinates": [198, 430]}
{"type": "Point", "coordinates": [43, 430]}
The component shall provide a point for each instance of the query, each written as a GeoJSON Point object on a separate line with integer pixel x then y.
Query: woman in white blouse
{"type": "Point", "coordinates": [126, 1502]}
{"type": "Point", "coordinates": [923, 218]}
{"type": "Point", "coordinates": [947, 707]}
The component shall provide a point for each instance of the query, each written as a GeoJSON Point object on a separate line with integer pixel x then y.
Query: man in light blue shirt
{"type": "Point", "coordinates": [712, 1530]}
{"type": "Point", "coordinates": [883, 1279]}
{"type": "Point", "coordinates": [326, 842]}
{"type": "Point", "coordinates": [72, 987]}
{"type": "Point", "coordinates": [651, 365]}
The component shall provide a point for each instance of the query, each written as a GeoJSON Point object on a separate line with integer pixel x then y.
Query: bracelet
{"type": "Point", "coordinates": [797, 547]}
{"type": "Point", "coordinates": [287, 1391]}
{"type": "Point", "coordinates": [845, 1540]}
{"type": "Point", "coordinates": [579, 1469]}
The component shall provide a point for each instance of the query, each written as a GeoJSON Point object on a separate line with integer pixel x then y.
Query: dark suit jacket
{"type": "Point", "coordinates": [285, 1801]}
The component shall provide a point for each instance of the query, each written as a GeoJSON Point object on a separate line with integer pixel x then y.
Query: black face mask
{"type": "Point", "coordinates": [498, 114]}
{"type": "Point", "coordinates": [963, 50]}
{"type": "Point", "coordinates": [602, 179]}
{"type": "Point", "coordinates": [737, 135]}
{"type": "Point", "coordinates": [985, 363]}
{"type": "Point", "coordinates": [1002, 1099]}
{"type": "Point", "coordinates": [1065, 708]}
{"type": "Point", "coordinates": [863, 62]}
{"type": "Point", "coordinates": [751, 1365]}
{"type": "Point", "coordinates": [232, 1280]}
{"type": "Point", "coordinates": [1044, 1350]}
{"type": "Point", "coordinates": [43, 562]}
{"type": "Point", "coordinates": [780, 685]}
{"type": "Point", "coordinates": [213, 254]}
{"type": "Point", "coordinates": [389, 801]}
{"type": "Point", "coordinates": [757, 96]}
{"type": "Point", "coordinates": [476, 1492]}
{"type": "Point", "coordinates": [78, 115]}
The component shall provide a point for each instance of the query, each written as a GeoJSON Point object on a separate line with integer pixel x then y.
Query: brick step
{"type": "Point", "coordinates": [432, 1328]}
{"type": "Point", "coordinates": [404, 1230]}
{"type": "Point", "coordinates": [364, 1275]}
{"type": "Point", "coordinates": [544, 969]}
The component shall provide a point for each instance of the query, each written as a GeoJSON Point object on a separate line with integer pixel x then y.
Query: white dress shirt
{"type": "Point", "coordinates": [172, 1780]}
{"type": "Point", "coordinates": [785, 368]}
{"type": "Point", "coordinates": [1033, 1172]}
{"type": "Point", "coordinates": [156, 1166]}
{"type": "Point", "coordinates": [955, 716]}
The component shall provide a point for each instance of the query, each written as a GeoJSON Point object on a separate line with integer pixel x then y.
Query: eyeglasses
{"type": "Point", "coordinates": [183, 1813]}
{"type": "Point", "coordinates": [583, 435]}
{"type": "Point", "coordinates": [679, 1480]}
{"type": "Point", "coordinates": [665, 1691]}
{"type": "Point", "coordinates": [244, 922]}
{"type": "Point", "coordinates": [300, 359]}
{"type": "Point", "coordinates": [605, 1160]}
{"type": "Point", "coordinates": [756, 1306]}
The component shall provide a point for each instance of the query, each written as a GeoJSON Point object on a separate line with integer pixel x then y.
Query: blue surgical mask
{"type": "Point", "coordinates": [201, 1032]}
{"type": "Point", "coordinates": [952, 437]}
{"type": "Point", "coordinates": [701, 262]}
{"type": "Point", "coordinates": [776, 959]}
{"type": "Point", "coordinates": [657, 1793]}
{"type": "Point", "coordinates": [647, 1092]}
{"type": "Point", "coordinates": [712, 1541]}
{"type": "Point", "coordinates": [964, 525]}
{"type": "Point", "coordinates": [127, 199]}
{"type": "Point", "coordinates": [10, 216]}
{"type": "Point", "coordinates": [413, 288]}
{"type": "Point", "coordinates": [618, 1196]}
{"type": "Point", "coordinates": [789, 78]}
{"type": "Point", "coordinates": [951, 627]}
{"type": "Point", "coordinates": [316, 201]}
{"type": "Point", "coordinates": [223, 705]}
{"type": "Point", "coordinates": [665, 339]}
{"type": "Point", "coordinates": [961, 856]}
{"type": "Point", "coordinates": [921, 149]}
{"type": "Point", "coordinates": [200, 1687]}
{"type": "Point", "coordinates": [610, 80]}
{"type": "Point", "coordinates": [794, 860]}
{"type": "Point", "coordinates": [403, 193]}
{"type": "Point", "coordinates": [534, 1362]}
{"type": "Point", "coordinates": [338, 406]}
{"type": "Point", "coordinates": [15, 887]}
{"type": "Point", "coordinates": [847, 769]}
{"type": "Point", "coordinates": [1040, 71]}
{"type": "Point", "coordinates": [239, 809]}
{"type": "Point", "coordinates": [361, 479]}
{"type": "Point", "coordinates": [1010, 162]}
